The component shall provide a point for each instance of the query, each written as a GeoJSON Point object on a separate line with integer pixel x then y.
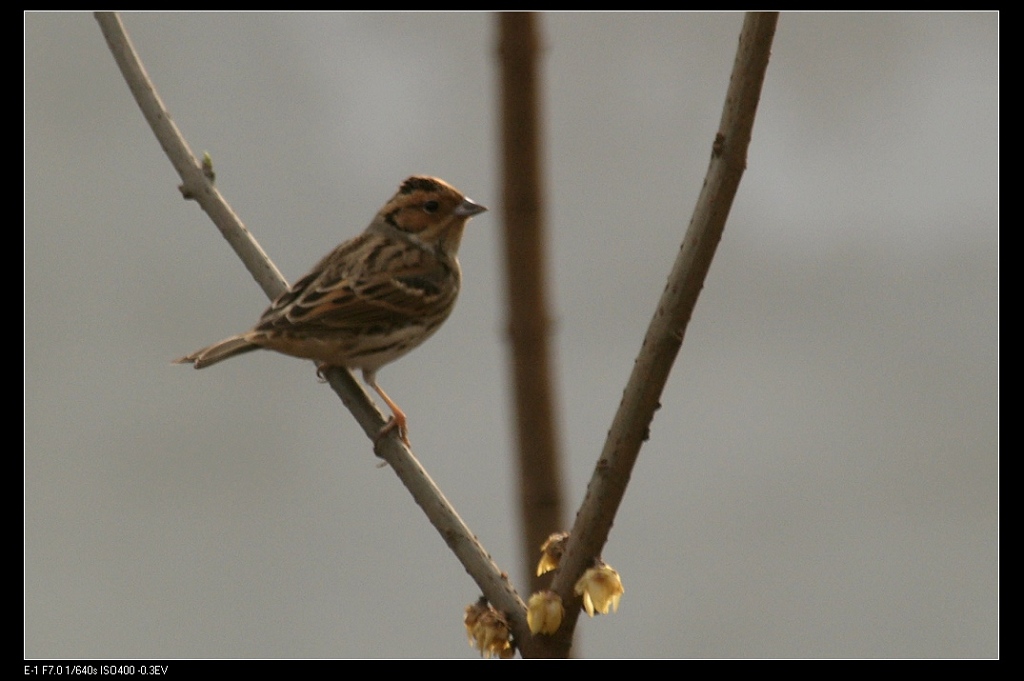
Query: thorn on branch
{"type": "Point", "coordinates": [718, 147]}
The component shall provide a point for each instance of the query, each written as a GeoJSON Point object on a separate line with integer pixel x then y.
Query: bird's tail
{"type": "Point", "coordinates": [229, 347]}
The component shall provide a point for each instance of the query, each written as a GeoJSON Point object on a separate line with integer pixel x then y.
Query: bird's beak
{"type": "Point", "coordinates": [468, 208]}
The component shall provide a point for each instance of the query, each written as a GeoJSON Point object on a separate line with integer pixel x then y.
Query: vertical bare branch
{"type": "Point", "coordinates": [664, 337]}
{"type": "Point", "coordinates": [529, 325]}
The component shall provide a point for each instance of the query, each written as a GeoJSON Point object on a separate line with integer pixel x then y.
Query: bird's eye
{"type": "Point", "coordinates": [431, 206]}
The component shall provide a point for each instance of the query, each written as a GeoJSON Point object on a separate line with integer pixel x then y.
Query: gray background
{"type": "Point", "coordinates": [821, 479]}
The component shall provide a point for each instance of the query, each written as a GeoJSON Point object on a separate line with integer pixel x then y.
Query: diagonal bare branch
{"type": "Point", "coordinates": [196, 185]}
{"type": "Point", "coordinates": [664, 337]}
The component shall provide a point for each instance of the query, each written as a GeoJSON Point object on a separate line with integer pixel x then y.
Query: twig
{"type": "Point", "coordinates": [664, 337]}
{"type": "Point", "coordinates": [196, 185]}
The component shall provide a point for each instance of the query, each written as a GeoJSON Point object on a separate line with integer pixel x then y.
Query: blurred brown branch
{"type": "Point", "coordinates": [529, 322]}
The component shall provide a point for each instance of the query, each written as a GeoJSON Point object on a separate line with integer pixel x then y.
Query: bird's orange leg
{"type": "Point", "coordinates": [398, 419]}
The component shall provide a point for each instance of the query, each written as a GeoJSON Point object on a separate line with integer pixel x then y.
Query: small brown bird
{"type": "Point", "coordinates": [373, 298]}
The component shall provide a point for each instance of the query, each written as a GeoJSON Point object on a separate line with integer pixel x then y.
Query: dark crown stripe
{"type": "Point", "coordinates": [427, 184]}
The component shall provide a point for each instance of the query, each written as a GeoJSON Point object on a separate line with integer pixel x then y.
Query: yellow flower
{"type": "Point", "coordinates": [551, 552]}
{"type": "Point", "coordinates": [473, 613]}
{"type": "Point", "coordinates": [544, 612]}
{"type": "Point", "coordinates": [601, 588]}
{"type": "Point", "coordinates": [488, 631]}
